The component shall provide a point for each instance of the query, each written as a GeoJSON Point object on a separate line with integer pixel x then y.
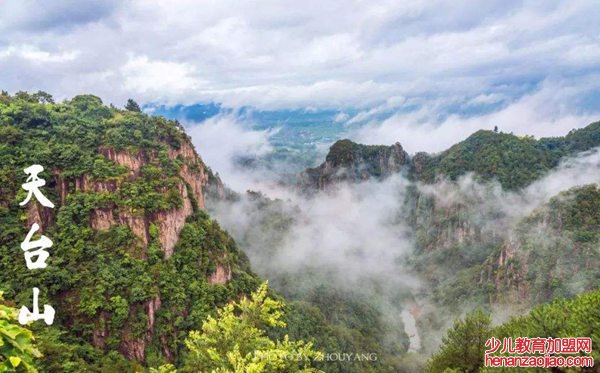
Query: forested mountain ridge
{"type": "Point", "coordinates": [136, 262]}
{"type": "Point", "coordinates": [466, 239]}
{"type": "Point", "coordinates": [514, 161]}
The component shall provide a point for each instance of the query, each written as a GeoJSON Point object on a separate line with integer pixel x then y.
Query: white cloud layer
{"type": "Point", "coordinates": [277, 54]}
{"type": "Point", "coordinates": [223, 140]}
{"type": "Point", "coordinates": [548, 112]}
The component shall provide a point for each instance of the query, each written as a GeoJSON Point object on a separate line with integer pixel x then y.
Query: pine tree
{"type": "Point", "coordinates": [132, 106]}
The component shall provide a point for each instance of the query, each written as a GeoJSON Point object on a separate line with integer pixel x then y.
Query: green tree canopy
{"type": "Point", "coordinates": [464, 345]}
{"type": "Point", "coordinates": [236, 340]}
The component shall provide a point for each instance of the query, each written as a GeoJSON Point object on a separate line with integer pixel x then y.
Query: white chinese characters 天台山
{"type": "Point", "coordinates": [36, 249]}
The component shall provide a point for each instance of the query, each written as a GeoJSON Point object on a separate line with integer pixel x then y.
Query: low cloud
{"type": "Point", "coordinates": [34, 54]}
{"type": "Point", "coordinates": [223, 140]}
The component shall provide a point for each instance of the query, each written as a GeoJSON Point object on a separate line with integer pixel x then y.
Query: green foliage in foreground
{"type": "Point", "coordinates": [463, 346]}
{"type": "Point", "coordinates": [17, 350]}
{"type": "Point", "coordinates": [236, 340]}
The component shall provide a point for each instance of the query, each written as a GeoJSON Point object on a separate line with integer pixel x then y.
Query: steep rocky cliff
{"type": "Point", "coordinates": [349, 161]}
{"type": "Point", "coordinates": [136, 262]}
{"type": "Point", "coordinates": [554, 252]}
{"type": "Point", "coordinates": [468, 252]}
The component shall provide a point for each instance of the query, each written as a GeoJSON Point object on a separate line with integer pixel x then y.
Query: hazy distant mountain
{"type": "Point", "coordinates": [514, 161]}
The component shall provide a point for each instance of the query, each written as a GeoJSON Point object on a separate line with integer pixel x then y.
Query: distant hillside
{"type": "Point", "coordinates": [466, 250]}
{"type": "Point", "coordinates": [512, 160]}
{"type": "Point", "coordinates": [550, 253]}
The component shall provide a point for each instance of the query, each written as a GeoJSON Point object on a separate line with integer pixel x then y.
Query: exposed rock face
{"type": "Point", "coordinates": [102, 219]}
{"type": "Point", "coordinates": [349, 161]}
{"type": "Point", "coordinates": [171, 222]}
{"type": "Point", "coordinates": [62, 185]}
{"type": "Point", "coordinates": [36, 213]}
{"type": "Point", "coordinates": [153, 305]}
{"type": "Point", "coordinates": [132, 161]}
{"type": "Point", "coordinates": [551, 253]}
{"type": "Point", "coordinates": [131, 347]}
{"type": "Point", "coordinates": [221, 275]}
{"type": "Point", "coordinates": [503, 274]}
{"type": "Point", "coordinates": [440, 225]}
{"type": "Point", "coordinates": [510, 274]}
{"type": "Point", "coordinates": [100, 332]}
{"type": "Point", "coordinates": [135, 348]}
{"type": "Point", "coordinates": [138, 225]}
{"type": "Point", "coordinates": [85, 184]}
{"type": "Point", "coordinates": [197, 179]}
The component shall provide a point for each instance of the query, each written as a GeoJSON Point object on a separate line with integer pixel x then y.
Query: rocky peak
{"type": "Point", "coordinates": [348, 161]}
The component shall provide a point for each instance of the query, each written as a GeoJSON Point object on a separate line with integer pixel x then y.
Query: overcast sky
{"type": "Point", "coordinates": [298, 54]}
{"type": "Point", "coordinates": [530, 66]}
